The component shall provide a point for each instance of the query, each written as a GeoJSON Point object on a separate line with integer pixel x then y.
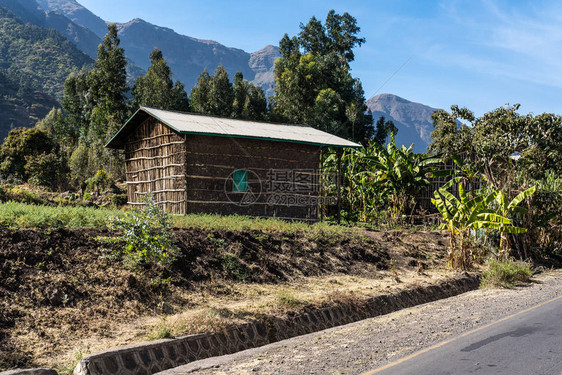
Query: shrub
{"type": "Point", "coordinates": [99, 182]}
{"type": "Point", "coordinates": [79, 165]}
{"type": "Point", "coordinates": [505, 273]}
{"type": "Point", "coordinates": [19, 144]}
{"type": "Point", "coordinates": [287, 299]}
{"type": "Point", "coordinates": [119, 200]}
{"type": "Point", "coordinates": [45, 170]}
{"type": "Point", "coordinates": [146, 234]}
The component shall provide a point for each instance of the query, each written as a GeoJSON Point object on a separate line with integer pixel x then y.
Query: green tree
{"type": "Point", "coordinates": [74, 103]}
{"type": "Point", "coordinates": [20, 144]}
{"type": "Point", "coordinates": [78, 164]}
{"type": "Point", "coordinates": [383, 130]}
{"type": "Point", "coordinates": [313, 81]}
{"type": "Point", "coordinates": [157, 89]}
{"type": "Point", "coordinates": [222, 93]}
{"type": "Point", "coordinates": [249, 101]}
{"type": "Point", "coordinates": [201, 94]}
{"type": "Point", "coordinates": [450, 136]}
{"type": "Point", "coordinates": [96, 106]}
{"type": "Point", "coordinates": [107, 82]}
{"type": "Point", "coordinates": [49, 170]}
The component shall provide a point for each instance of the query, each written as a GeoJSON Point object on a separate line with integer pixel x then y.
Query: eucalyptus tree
{"type": "Point", "coordinates": [314, 85]}
{"type": "Point", "coordinates": [157, 89]}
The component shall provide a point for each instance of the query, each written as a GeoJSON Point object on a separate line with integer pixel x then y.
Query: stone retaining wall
{"type": "Point", "coordinates": [34, 371]}
{"type": "Point", "coordinates": [155, 356]}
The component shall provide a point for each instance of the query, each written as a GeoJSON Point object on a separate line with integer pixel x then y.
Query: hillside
{"type": "Point", "coordinates": [29, 11]}
{"type": "Point", "coordinates": [44, 55]}
{"type": "Point", "coordinates": [35, 62]}
{"type": "Point", "coordinates": [20, 103]}
{"type": "Point", "coordinates": [413, 120]}
{"type": "Point", "coordinates": [188, 56]}
{"type": "Point", "coordinates": [77, 14]}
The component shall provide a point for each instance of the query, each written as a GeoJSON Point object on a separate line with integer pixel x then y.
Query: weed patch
{"type": "Point", "coordinates": [505, 273]}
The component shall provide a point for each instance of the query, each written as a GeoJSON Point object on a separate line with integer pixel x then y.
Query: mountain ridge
{"type": "Point", "coordinates": [412, 119]}
{"type": "Point", "coordinates": [188, 56]}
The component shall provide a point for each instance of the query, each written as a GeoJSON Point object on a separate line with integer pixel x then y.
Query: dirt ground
{"type": "Point", "coordinates": [371, 343]}
{"type": "Point", "coordinates": [60, 297]}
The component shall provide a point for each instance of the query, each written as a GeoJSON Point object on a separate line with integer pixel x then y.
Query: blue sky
{"type": "Point", "coordinates": [478, 54]}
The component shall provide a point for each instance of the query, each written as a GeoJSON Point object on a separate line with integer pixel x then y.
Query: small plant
{"type": "Point", "coordinates": [146, 234]}
{"type": "Point", "coordinates": [505, 273]}
{"type": "Point", "coordinates": [287, 299]}
{"type": "Point", "coordinates": [234, 268]}
{"type": "Point", "coordinates": [161, 331]}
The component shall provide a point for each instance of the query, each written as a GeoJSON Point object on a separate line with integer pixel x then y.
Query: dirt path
{"type": "Point", "coordinates": [361, 346]}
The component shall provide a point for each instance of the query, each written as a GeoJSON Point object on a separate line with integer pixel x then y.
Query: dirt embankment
{"type": "Point", "coordinates": [56, 287]}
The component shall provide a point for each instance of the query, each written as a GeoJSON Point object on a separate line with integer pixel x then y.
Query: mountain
{"type": "Point", "coordinates": [413, 120]}
{"type": "Point", "coordinates": [187, 56]}
{"type": "Point", "coordinates": [34, 64]}
{"type": "Point", "coordinates": [77, 14]}
{"type": "Point", "coordinates": [44, 55]}
{"type": "Point", "coordinates": [262, 64]}
{"type": "Point", "coordinates": [29, 11]}
{"type": "Point", "coordinates": [20, 103]}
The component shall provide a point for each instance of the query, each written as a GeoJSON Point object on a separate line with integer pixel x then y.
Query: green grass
{"type": "Point", "coordinates": [245, 223]}
{"type": "Point", "coordinates": [23, 215]}
{"type": "Point", "coordinates": [505, 273]}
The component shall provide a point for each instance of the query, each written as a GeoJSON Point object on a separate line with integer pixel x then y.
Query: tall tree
{"type": "Point", "coordinates": [201, 94]}
{"type": "Point", "coordinates": [107, 86]}
{"type": "Point", "coordinates": [157, 89]}
{"type": "Point", "coordinates": [222, 93]}
{"type": "Point", "coordinates": [74, 104]}
{"type": "Point", "coordinates": [383, 130]}
{"type": "Point", "coordinates": [313, 81]}
{"type": "Point", "coordinates": [249, 101]}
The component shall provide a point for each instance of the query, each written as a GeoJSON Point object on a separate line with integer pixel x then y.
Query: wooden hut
{"type": "Point", "coordinates": [194, 163]}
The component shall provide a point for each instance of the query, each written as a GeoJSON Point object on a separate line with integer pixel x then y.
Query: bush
{"type": "Point", "coordinates": [19, 144]}
{"type": "Point", "coordinates": [45, 170]}
{"type": "Point", "coordinates": [505, 273]}
{"type": "Point", "coordinates": [146, 234]}
{"type": "Point", "coordinates": [119, 200]}
{"type": "Point", "coordinates": [99, 182]}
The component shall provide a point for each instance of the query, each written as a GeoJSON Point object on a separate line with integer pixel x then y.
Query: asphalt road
{"type": "Point", "coordinates": [526, 343]}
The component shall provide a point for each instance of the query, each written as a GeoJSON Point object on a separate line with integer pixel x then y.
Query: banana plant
{"type": "Point", "coordinates": [401, 172]}
{"type": "Point", "coordinates": [509, 208]}
{"type": "Point", "coordinates": [463, 216]}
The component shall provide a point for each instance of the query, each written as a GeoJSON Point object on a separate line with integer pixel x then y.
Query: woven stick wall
{"type": "Point", "coordinates": [155, 163]}
{"type": "Point", "coordinates": [211, 161]}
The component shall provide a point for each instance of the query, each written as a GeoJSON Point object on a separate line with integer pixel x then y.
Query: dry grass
{"type": "Point", "coordinates": [211, 304]}
{"type": "Point", "coordinates": [239, 303]}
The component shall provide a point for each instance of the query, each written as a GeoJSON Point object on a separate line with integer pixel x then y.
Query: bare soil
{"type": "Point", "coordinates": [60, 297]}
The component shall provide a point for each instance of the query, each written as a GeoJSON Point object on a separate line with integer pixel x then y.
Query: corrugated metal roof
{"type": "Point", "coordinates": [189, 123]}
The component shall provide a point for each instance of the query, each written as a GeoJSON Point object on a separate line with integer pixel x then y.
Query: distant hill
{"type": "Point", "coordinates": [20, 103]}
{"type": "Point", "coordinates": [77, 14]}
{"type": "Point", "coordinates": [413, 120]}
{"type": "Point", "coordinates": [34, 62]}
{"type": "Point", "coordinates": [44, 55]}
{"type": "Point", "coordinates": [188, 56]}
{"type": "Point", "coordinates": [29, 11]}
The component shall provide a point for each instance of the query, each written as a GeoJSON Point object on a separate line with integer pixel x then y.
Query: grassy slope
{"type": "Point", "coordinates": [22, 215]}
